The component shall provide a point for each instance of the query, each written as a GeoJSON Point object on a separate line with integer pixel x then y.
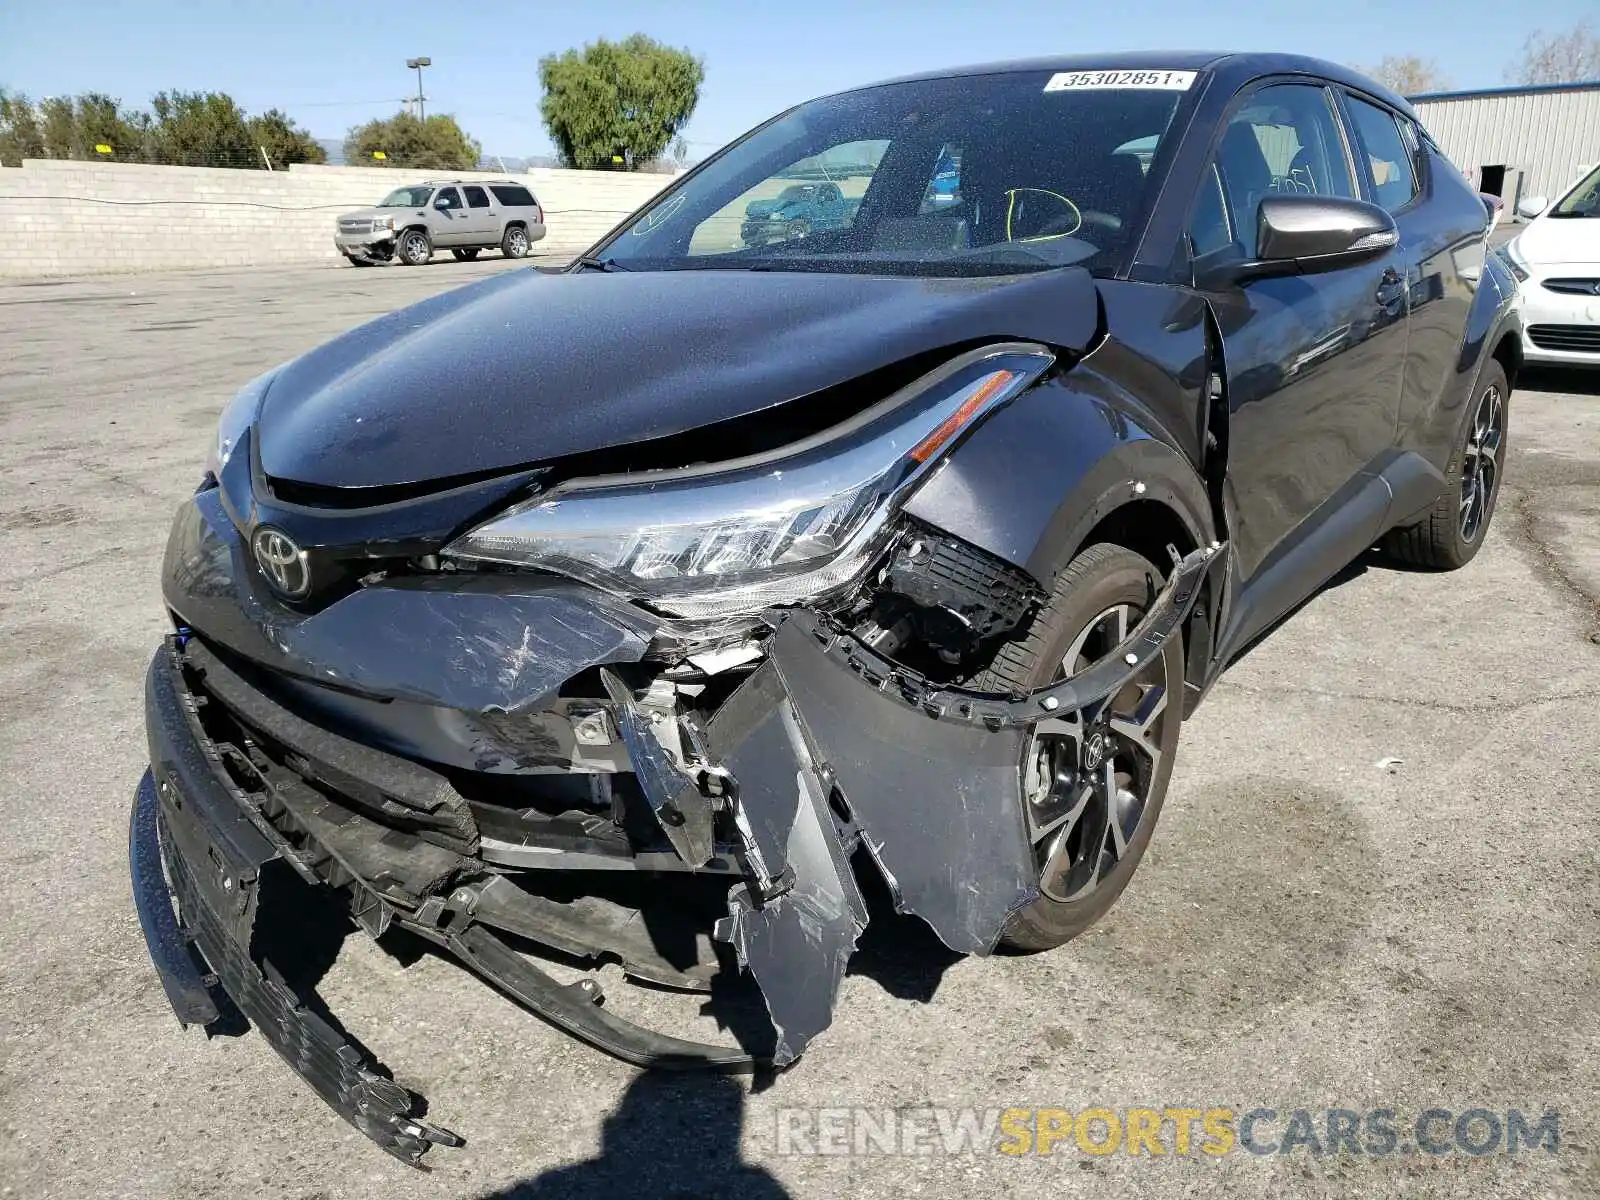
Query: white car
{"type": "Point", "coordinates": [1556, 260]}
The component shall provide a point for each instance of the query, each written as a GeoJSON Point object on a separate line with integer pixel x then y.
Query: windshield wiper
{"type": "Point", "coordinates": [597, 264]}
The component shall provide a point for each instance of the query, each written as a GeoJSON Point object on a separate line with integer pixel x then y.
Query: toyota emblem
{"type": "Point", "coordinates": [282, 562]}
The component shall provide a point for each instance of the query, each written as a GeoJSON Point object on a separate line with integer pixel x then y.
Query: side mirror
{"type": "Point", "coordinates": [1300, 235]}
{"type": "Point", "coordinates": [1532, 206]}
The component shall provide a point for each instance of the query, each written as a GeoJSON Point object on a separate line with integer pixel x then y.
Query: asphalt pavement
{"type": "Point", "coordinates": [1375, 884]}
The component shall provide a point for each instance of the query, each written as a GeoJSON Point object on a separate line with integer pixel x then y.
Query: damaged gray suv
{"type": "Point", "coordinates": [664, 609]}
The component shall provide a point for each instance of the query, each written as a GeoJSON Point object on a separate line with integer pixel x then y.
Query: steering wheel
{"type": "Point", "coordinates": [1110, 222]}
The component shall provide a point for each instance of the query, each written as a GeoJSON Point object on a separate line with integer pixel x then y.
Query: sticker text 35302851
{"type": "Point", "coordinates": [1078, 81]}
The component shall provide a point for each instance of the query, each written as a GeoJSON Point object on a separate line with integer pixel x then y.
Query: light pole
{"type": "Point", "coordinates": [416, 64]}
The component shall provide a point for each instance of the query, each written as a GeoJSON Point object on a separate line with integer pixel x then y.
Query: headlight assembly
{"type": "Point", "coordinates": [237, 416]}
{"type": "Point", "coordinates": [776, 528]}
{"type": "Point", "coordinates": [1512, 257]}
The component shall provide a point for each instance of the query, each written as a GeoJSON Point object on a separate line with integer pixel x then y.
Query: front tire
{"type": "Point", "coordinates": [1450, 535]}
{"type": "Point", "coordinates": [1093, 782]}
{"type": "Point", "coordinates": [465, 255]}
{"type": "Point", "coordinates": [415, 248]}
{"type": "Point", "coordinates": [357, 261]}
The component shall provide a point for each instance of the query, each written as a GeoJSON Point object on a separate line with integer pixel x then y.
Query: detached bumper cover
{"type": "Point", "coordinates": [929, 784]}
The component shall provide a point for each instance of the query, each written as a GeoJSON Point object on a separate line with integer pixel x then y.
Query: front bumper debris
{"type": "Point", "coordinates": [230, 855]}
{"type": "Point", "coordinates": [825, 751]}
{"type": "Point", "coordinates": [926, 780]}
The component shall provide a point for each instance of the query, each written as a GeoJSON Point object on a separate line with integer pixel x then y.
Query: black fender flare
{"type": "Point", "coordinates": [1032, 481]}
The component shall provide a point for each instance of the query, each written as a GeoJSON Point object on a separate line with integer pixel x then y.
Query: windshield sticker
{"type": "Point", "coordinates": [1082, 81]}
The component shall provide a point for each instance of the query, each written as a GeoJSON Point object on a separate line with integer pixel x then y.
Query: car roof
{"type": "Point", "coordinates": [1239, 68]}
{"type": "Point", "coordinates": [459, 182]}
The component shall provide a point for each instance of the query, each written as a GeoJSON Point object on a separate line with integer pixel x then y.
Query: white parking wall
{"type": "Point", "coordinates": [82, 218]}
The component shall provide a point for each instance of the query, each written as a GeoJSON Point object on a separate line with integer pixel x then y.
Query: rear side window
{"type": "Point", "coordinates": [1389, 158]}
{"type": "Point", "coordinates": [513, 193]}
{"type": "Point", "coordinates": [476, 197]}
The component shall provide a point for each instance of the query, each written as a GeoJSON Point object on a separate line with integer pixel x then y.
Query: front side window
{"type": "Point", "coordinates": [406, 197]}
{"type": "Point", "coordinates": [975, 175]}
{"type": "Point", "coordinates": [1283, 139]}
{"type": "Point", "coordinates": [1581, 201]}
{"type": "Point", "coordinates": [1393, 167]}
{"type": "Point", "coordinates": [447, 198]}
{"type": "Point", "coordinates": [476, 197]}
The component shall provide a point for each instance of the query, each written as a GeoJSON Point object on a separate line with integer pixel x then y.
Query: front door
{"type": "Point", "coordinates": [447, 219]}
{"type": "Point", "coordinates": [1314, 363]}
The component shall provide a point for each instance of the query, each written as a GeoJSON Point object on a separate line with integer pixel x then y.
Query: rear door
{"type": "Point", "coordinates": [483, 223]}
{"type": "Point", "coordinates": [1441, 252]}
{"type": "Point", "coordinates": [1314, 363]}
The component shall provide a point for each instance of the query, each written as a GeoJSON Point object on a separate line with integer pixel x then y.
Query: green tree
{"type": "Point", "coordinates": [102, 121]}
{"type": "Point", "coordinates": [284, 141]}
{"type": "Point", "coordinates": [72, 127]}
{"type": "Point", "coordinates": [58, 124]}
{"type": "Point", "coordinates": [615, 101]}
{"type": "Point", "coordinates": [20, 135]}
{"type": "Point", "coordinates": [437, 144]}
{"type": "Point", "coordinates": [200, 129]}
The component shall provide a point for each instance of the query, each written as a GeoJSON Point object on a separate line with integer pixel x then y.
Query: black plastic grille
{"type": "Point", "coordinates": [1579, 338]}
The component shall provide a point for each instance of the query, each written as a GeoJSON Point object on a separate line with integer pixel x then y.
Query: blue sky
{"type": "Point", "coordinates": [333, 65]}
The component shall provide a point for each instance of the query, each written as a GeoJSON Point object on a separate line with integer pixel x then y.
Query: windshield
{"type": "Point", "coordinates": [974, 175]}
{"type": "Point", "coordinates": [406, 197]}
{"type": "Point", "coordinates": [1583, 200]}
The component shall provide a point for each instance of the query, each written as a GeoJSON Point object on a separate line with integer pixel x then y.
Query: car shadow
{"type": "Point", "coordinates": [897, 951]}
{"type": "Point", "coordinates": [671, 1135]}
{"type": "Point", "coordinates": [1579, 381]}
{"type": "Point", "coordinates": [1347, 574]}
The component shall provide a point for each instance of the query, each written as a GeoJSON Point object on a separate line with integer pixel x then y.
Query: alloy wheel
{"type": "Point", "coordinates": [518, 242]}
{"type": "Point", "coordinates": [1480, 465]}
{"type": "Point", "coordinates": [1087, 776]}
{"type": "Point", "coordinates": [414, 249]}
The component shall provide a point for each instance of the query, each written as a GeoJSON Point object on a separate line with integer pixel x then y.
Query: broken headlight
{"type": "Point", "coordinates": [777, 528]}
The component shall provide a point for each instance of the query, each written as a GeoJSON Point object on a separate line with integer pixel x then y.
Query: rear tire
{"type": "Point", "coordinates": [514, 243]}
{"type": "Point", "coordinates": [465, 255]}
{"type": "Point", "coordinates": [1084, 862]}
{"type": "Point", "coordinates": [414, 248]}
{"type": "Point", "coordinates": [1450, 535]}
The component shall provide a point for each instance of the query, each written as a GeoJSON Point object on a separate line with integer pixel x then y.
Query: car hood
{"type": "Point", "coordinates": [1552, 240]}
{"type": "Point", "coordinates": [529, 366]}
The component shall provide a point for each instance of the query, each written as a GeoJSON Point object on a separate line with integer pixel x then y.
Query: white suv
{"type": "Point", "coordinates": [1556, 260]}
{"type": "Point", "coordinates": [462, 216]}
